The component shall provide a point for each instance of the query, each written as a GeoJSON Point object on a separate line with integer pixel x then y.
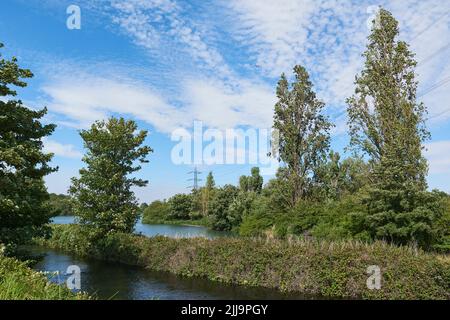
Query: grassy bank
{"type": "Point", "coordinates": [330, 269]}
{"type": "Point", "coordinates": [18, 282]}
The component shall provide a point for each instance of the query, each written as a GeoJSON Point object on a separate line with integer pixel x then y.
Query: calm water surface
{"type": "Point", "coordinates": [151, 230]}
{"type": "Point", "coordinates": [106, 280]}
{"type": "Point", "coordinates": [109, 280]}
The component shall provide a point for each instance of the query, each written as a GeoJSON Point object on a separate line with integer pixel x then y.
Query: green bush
{"type": "Point", "coordinates": [60, 205]}
{"type": "Point", "coordinates": [402, 217]}
{"type": "Point", "coordinates": [157, 210]}
{"type": "Point", "coordinates": [258, 220]}
{"type": "Point", "coordinates": [180, 206]}
{"type": "Point", "coordinates": [221, 217]}
{"type": "Point", "coordinates": [322, 221]}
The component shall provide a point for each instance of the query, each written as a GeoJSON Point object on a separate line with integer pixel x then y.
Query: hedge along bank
{"type": "Point", "coordinates": [328, 269]}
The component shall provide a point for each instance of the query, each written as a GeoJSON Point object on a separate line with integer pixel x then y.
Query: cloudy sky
{"type": "Point", "coordinates": [166, 63]}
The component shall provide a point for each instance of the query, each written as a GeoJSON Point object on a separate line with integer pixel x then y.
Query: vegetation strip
{"type": "Point", "coordinates": [19, 282]}
{"type": "Point", "coordinates": [329, 269]}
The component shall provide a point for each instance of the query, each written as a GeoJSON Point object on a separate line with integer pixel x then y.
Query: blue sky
{"type": "Point", "coordinates": [166, 63]}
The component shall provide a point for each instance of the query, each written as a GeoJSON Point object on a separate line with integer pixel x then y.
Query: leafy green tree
{"type": "Point", "coordinates": [279, 191]}
{"type": "Point", "coordinates": [253, 183]}
{"type": "Point", "coordinates": [336, 178]}
{"type": "Point", "coordinates": [102, 194]}
{"type": "Point", "coordinates": [256, 180]}
{"type": "Point", "coordinates": [180, 206]}
{"type": "Point", "coordinates": [207, 192]}
{"type": "Point", "coordinates": [387, 123]}
{"type": "Point", "coordinates": [143, 206]}
{"type": "Point", "coordinates": [24, 210]}
{"type": "Point", "coordinates": [210, 183]}
{"type": "Point", "coordinates": [197, 203]}
{"type": "Point", "coordinates": [303, 133]}
{"type": "Point", "coordinates": [239, 207]}
{"type": "Point", "coordinates": [60, 205]}
{"type": "Point", "coordinates": [244, 183]}
{"type": "Point", "coordinates": [443, 243]}
{"type": "Point", "coordinates": [156, 211]}
{"type": "Point", "coordinates": [219, 207]}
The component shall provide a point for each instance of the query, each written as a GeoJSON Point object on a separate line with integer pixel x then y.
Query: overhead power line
{"type": "Point", "coordinates": [429, 26]}
{"type": "Point", "coordinates": [439, 114]}
{"type": "Point", "coordinates": [435, 54]}
{"type": "Point", "coordinates": [195, 179]}
{"type": "Point", "coordinates": [434, 87]}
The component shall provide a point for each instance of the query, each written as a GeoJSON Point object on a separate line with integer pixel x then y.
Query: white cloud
{"type": "Point", "coordinates": [328, 37]}
{"type": "Point", "coordinates": [150, 23]}
{"type": "Point", "coordinates": [79, 99]}
{"type": "Point", "coordinates": [61, 150]}
{"type": "Point", "coordinates": [325, 36]}
{"type": "Point", "coordinates": [274, 30]}
{"type": "Point", "coordinates": [84, 99]}
{"type": "Point", "coordinates": [220, 106]}
{"type": "Point", "coordinates": [438, 155]}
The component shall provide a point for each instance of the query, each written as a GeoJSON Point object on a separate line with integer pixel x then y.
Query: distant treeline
{"type": "Point", "coordinates": [60, 205]}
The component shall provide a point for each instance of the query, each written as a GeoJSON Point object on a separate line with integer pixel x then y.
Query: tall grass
{"type": "Point", "coordinates": [18, 282]}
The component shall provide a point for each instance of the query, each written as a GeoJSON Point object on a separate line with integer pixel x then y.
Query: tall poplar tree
{"type": "Point", "coordinates": [304, 138]}
{"type": "Point", "coordinates": [387, 124]}
{"type": "Point", "coordinates": [207, 193]}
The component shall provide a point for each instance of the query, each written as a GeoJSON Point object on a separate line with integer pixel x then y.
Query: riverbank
{"type": "Point", "coordinates": [326, 269]}
{"type": "Point", "coordinates": [204, 222]}
{"type": "Point", "coordinates": [19, 282]}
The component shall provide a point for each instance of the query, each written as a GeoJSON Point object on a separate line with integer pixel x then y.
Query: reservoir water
{"type": "Point", "coordinates": [151, 230]}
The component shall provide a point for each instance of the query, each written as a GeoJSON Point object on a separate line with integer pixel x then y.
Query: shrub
{"type": "Point", "coordinates": [180, 206]}
{"type": "Point", "coordinates": [157, 210]}
{"type": "Point", "coordinates": [220, 205]}
{"type": "Point", "coordinates": [402, 217]}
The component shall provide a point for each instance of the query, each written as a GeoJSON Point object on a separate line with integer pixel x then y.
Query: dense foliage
{"type": "Point", "coordinates": [102, 194]}
{"type": "Point", "coordinates": [388, 125]}
{"type": "Point", "coordinates": [303, 134]}
{"type": "Point", "coordinates": [23, 165]}
{"type": "Point", "coordinates": [60, 205]}
{"type": "Point", "coordinates": [181, 206]}
{"type": "Point", "coordinates": [156, 211]}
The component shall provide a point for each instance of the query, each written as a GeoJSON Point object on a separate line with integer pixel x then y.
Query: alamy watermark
{"type": "Point", "coordinates": [73, 22]}
{"type": "Point", "coordinates": [374, 280]}
{"type": "Point", "coordinates": [73, 274]}
{"type": "Point", "coordinates": [203, 146]}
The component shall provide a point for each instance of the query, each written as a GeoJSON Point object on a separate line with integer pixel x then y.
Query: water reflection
{"type": "Point", "coordinates": [107, 280]}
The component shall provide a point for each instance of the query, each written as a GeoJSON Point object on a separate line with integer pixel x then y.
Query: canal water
{"type": "Point", "coordinates": [107, 280]}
